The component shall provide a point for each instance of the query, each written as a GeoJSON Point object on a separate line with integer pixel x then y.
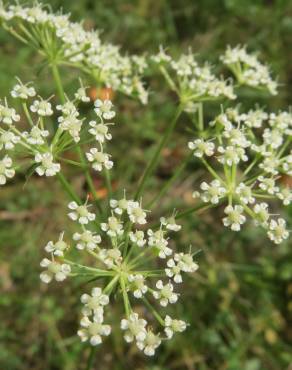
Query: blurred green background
{"type": "Point", "coordinates": [239, 304]}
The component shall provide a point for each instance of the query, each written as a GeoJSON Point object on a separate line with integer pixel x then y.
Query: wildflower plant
{"type": "Point", "coordinates": [244, 155]}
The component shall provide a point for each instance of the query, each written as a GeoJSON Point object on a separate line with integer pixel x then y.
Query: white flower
{"type": "Point", "coordinates": [71, 124]}
{"type": "Point", "coordinates": [99, 159]}
{"type": "Point", "coordinates": [173, 270]}
{"type": "Point", "coordinates": [23, 91]}
{"type": "Point", "coordinates": [137, 285]}
{"type": "Point", "coordinates": [80, 213]}
{"type": "Point", "coordinates": [99, 131]}
{"type": "Point", "coordinates": [56, 270]}
{"type": "Point", "coordinates": [136, 214]}
{"type": "Point", "coordinates": [87, 240]}
{"type": "Point", "coordinates": [231, 155]}
{"type": "Point", "coordinates": [57, 248]}
{"type": "Point", "coordinates": [46, 165]}
{"type": "Point", "coordinates": [287, 165]}
{"type": "Point", "coordinates": [180, 262]}
{"type": "Point", "coordinates": [113, 227]}
{"type": "Point", "coordinates": [8, 115]}
{"type": "Point", "coordinates": [262, 213]}
{"type": "Point", "coordinates": [173, 326]}
{"type": "Point", "coordinates": [119, 206]}
{"type": "Point", "coordinates": [273, 137]}
{"type": "Point", "coordinates": [137, 238]}
{"type": "Point", "coordinates": [42, 107]}
{"type": "Point", "coordinates": [6, 172]}
{"type": "Point", "coordinates": [285, 195]}
{"type": "Point", "coordinates": [213, 192]}
{"type": "Point", "coordinates": [165, 294]}
{"type": "Point", "coordinates": [270, 165]}
{"type": "Point", "coordinates": [255, 118]}
{"type": "Point", "coordinates": [93, 304]}
{"type": "Point", "coordinates": [277, 231]}
{"type": "Point", "coordinates": [234, 218]}
{"type": "Point", "coordinates": [236, 136]}
{"type": "Point", "coordinates": [161, 56]}
{"type": "Point", "coordinates": [250, 71]}
{"type": "Point", "coordinates": [81, 95]}
{"type": "Point", "coordinates": [36, 135]}
{"type": "Point", "coordinates": [134, 328]}
{"type": "Point", "coordinates": [244, 193]}
{"type": "Point", "coordinates": [268, 185]}
{"type": "Point", "coordinates": [8, 140]}
{"type": "Point", "coordinates": [201, 148]}
{"type": "Point", "coordinates": [68, 109]}
{"type": "Point", "coordinates": [185, 262]}
{"type": "Point", "coordinates": [110, 257]}
{"type": "Point", "coordinates": [149, 344]}
{"type": "Point", "coordinates": [93, 330]}
{"type": "Point", "coordinates": [157, 240]}
{"type": "Point", "coordinates": [170, 223]}
{"type": "Point", "coordinates": [104, 109]}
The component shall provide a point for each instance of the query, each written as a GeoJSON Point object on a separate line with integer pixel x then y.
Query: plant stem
{"type": "Point", "coordinates": [62, 97]}
{"type": "Point", "coordinates": [154, 312]}
{"type": "Point", "coordinates": [125, 296]}
{"type": "Point", "coordinates": [91, 358]}
{"type": "Point", "coordinates": [68, 188]}
{"type": "Point", "coordinates": [169, 182]}
{"type": "Point", "coordinates": [200, 116]}
{"type": "Point", "coordinates": [202, 206]}
{"type": "Point", "coordinates": [58, 82]}
{"type": "Point", "coordinates": [108, 182]}
{"type": "Point", "coordinates": [154, 161]}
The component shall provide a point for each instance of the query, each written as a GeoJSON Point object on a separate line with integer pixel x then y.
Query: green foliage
{"type": "Point", "coordinates": [239, 304]}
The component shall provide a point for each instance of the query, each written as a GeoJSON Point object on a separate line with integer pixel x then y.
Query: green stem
{"type": "Point", "coordinates": [202, 206]}
{"type": "Point", "coordinates": [91, 358]}
{"type": "Point", "coordinates": [201, 116]}
{"type": "Point", "coordinates": [169, 79]}
{"type": "Point", "coordinates": [212, 171]}
{"type": "Point", "coordinates": [68, 188]}
{"type": "Point", "coordinates": [154, 312]}
{"type": "Point", "coordinates": [27, 114]}
{"type": "Point", "coordinates": [108, 182]}
{"type": "Point", "coordinates": [125, 296]}
{"type": "Point", "coordinates": [58, 82]}
{"type": "Point", "coordinates": [154, 161]}
{"type": "Point", "coordinates": [62, 97]}
{"type": "Point", "coordinates": [169, 182]}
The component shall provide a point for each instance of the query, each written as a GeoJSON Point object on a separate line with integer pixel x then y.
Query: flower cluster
{"type": "Point", "coordinates": [121, 247]}
{"type": "Point", "coordinates": [191, 81]}
{"type": "Point", "coordinates": [253, 151]}
{"type": "Point", "coordinates": [44, 148]}
{"type": "Point", "coordinates": [248, 69]}
{"type": "Point", "coordinates": [83, 49]}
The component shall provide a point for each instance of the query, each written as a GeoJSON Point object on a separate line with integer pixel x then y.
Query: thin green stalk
{"type": "Point", "coordinates": [202, 206]}
{"type": "Point", "coordinates": [154, 312]}
{"type": "Point", "coordinates": [69, 190]}
{"type": "Point", "coordinates": [74, 163]}
{"type": "Point", "coordinates": [169, 182]}
{"type": "Point", "coordinates": [201, 116]}
{"type": "Point", "coordinates": [125, 296]}
{"type": "Point", "coordinates": [27, 114]}
{"type": "Point", "coordinates": [108, 182]}
{"type": "Point", "coordinates": [212, 171]}
{"type": "Point", "coordinates": [154, 161]}
{"type": "Point", "coordinates": [169, 79]}
{"type": "Point", "coordinates": [58, 82]}
{"type": "Point", "coordinates": [62, 97]}
{"type": "Point", "coordinates": [91, 357]}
